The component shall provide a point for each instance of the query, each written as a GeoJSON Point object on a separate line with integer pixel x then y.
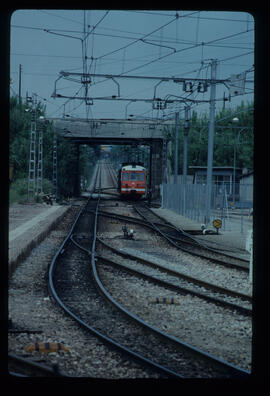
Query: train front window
{"type": "Point", "coordinates": [136, 176]}
{"type": "Point", "coordinates": [125, 177]}
{"type": "Point", "coordinates": [141, 176]}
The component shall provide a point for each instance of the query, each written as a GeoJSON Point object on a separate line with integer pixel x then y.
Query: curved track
{"type": "Point", "coordinates": [180, 282]}
{"type": "Point", "coordinates": [22, 367]}
{"type": "Point", "coordinates": [71, 285]}
{"type": "Point", "coordinates": [185, 242]}
{"type": "Point", "coordinates": [65, 276]}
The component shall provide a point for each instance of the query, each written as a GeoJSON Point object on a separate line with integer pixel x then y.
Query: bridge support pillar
{"type": "Point", "coordinates": [76, 188]}
{"type": "Point", "coordinates": [157, 166]}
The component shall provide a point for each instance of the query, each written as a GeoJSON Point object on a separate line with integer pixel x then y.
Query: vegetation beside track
{"type": "Point", "coordinates": [19, 143]}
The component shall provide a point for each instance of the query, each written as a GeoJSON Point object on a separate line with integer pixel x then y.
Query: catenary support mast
{"type": "Point", "coordinates": [211, 132]}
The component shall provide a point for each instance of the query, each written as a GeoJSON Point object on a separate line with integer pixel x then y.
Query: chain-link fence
{"type": "Point", "coordinates": [190, 201]}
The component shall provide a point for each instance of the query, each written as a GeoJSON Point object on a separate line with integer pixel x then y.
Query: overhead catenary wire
{"type": "Point", "coordinates": [185, 49]}
{"type": "Point", "coordinates": [154, 39]}
{"type": "Point", "coordinates": [137, 40]}
{"type": "Point", "coordinates": [190, 16]}
{"type": "Point", "coordinates": [181, 50]}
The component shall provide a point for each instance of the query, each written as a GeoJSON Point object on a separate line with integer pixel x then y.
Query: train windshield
{"type": "Point", "coordinates": [134, 176]}
{"type": "Point", "coordinates": [138, 176]}
{"type": "Point", "coordinates": [125, 176]}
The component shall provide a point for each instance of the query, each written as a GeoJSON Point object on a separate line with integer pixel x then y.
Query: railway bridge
{"type": "Point", "coordinates": [121, 132]}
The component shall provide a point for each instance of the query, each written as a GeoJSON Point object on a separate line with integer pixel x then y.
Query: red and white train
{"type": "Point", "coordinates": [132, 180]}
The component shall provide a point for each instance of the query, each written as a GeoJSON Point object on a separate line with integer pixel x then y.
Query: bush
{"type": "Point", "coordinates": [18, 191]}
{"type": "Point", "coordinates": [20, 186]}
{"type": "Point", "coordinates": [47, 186]}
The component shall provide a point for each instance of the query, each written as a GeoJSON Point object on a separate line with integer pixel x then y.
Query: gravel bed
{"type": "Point", "coordinates": [173, 279]}
{"type": "Point", "coordinates": [194, 266]}
{"type": "Point", "coordinates": [201, 324]}
{"type": "Point", "coordinates": [75, 287]}
{"type": "Point", "coordinates": [216, 330]}
{"type": "Point", "coordinates": [213, 329]}
{"type": "Point", "coordinates": [151, 246]}
{"type": "Point", "coordinates": [30, 308]}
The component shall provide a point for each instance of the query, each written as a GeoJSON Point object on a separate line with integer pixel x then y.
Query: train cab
{"type": "Point", "coordinates": [133, 180]}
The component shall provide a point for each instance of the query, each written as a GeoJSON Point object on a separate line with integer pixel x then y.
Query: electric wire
{"type": "Point", "coordinates": [189, 16]}
{"type": "Point", "coordinates": [137, 40]}
{"type": "Point", "coordinates": [151, 41]}
{"type": "Point", "coordinates": [165, 40]}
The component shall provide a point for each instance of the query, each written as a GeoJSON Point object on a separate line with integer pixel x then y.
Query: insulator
{"type": "Point", "coordinates": [89, 101]}
{"type": "Point", "coordinates": [159, 104]}
{"type": "Point", "coordinates": [184, 86]}
{"type": "Point", "coordinates": [85, 80]}
{"type": "Point", "coordinates": [190, 87]}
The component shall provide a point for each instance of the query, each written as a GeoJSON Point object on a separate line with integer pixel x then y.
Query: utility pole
{"type": "Point", "coordinates": [40, 158]}
{"type": "Point", "coordinates": [211, 132]}
{"type": "Point", "coordinates": [176, 148]}
{"type": "Point", "coordinates": [20, 86]}
{"type": "Point", "coordinates": [32, 155]}
{"type": "Point", "coordinates": [76, 189]}
{"type": "Point", "coordinates": [186, 130]}
{"type": "Point", "coordinates": [54, 163]}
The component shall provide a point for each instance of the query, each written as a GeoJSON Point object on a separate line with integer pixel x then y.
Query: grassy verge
{"type": "Point", "coordinates": [18, 190]}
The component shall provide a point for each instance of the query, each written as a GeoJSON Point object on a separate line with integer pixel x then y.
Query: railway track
{"type": "Point", "coordinates": [81, 281]}
{"type": "Point", "coordinates": [187, 243]}
{"type": "Point", "coordinates": [135, 221]}
{"type": "Point", "coordinates": [22, 367]}
{"type": "Point", "coordinates": [178, 281]}
{"type": "Point", "coordinates": [72, 286]}
{"type": "Point", "coordinates": [231, 299]}
{"type": "Point", "coordinates": [78, 291]}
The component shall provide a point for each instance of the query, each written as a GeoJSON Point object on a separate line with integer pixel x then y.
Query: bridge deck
{"type": "Point", "coordinates": [109, 131]}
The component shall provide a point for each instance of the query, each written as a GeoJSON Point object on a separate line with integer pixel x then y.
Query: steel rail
{"type": "Point", "coordinates": [15, 374]}
{"type": "Point", "coordinates": [115, 303]}
{"type": "Point", "coordinates": [188, 278]}
{"type": "Point", "coordinates": [228, 368]}
{"type": "Point", "coordinates": [176, 288]}
{"type": "Point", "coordinates": [168, 225]}
{"type": "Point", "coordinates": [234, 370]}
{"type": "Point", "coordinates": [109, 341]}
{"type": "Point", "coordinates": [107, 193]}
{"type": "Point", "coordinates": [144, 223]}
{"type": "Point", "coordinates": [207, 285]}
{"type": "Point", "coordinates": [112, 173]}
{"type": "Point", "coordinates": [188, 235]}
{"type": "Point", "coordinates": [53, 371]}
{"type": "Point", "coordinates": [170, 240]}
{"type": "Point", "coordinates": [125, 218]}
{"type": "Point", "coordinates": [199, 282]}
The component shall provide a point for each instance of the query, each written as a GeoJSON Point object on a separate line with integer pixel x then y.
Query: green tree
{"type": "Point", "coordinates": [227, 134]}
{"type": "Point", "coordinates": [19, 146]}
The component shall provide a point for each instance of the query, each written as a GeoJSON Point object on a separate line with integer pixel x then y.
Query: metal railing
{"type": "Point", "coordinates": [190, 201]}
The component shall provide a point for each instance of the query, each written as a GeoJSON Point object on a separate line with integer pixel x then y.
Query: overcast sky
{"type": "Point", "coordinates": [142, 43]}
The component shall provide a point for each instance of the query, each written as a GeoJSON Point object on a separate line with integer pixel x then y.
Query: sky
{"type": "Point", "coordinates": [173, 43]}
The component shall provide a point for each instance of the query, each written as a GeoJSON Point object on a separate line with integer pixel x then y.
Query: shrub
{"type": "Point", "coordinates": [18, 191]}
